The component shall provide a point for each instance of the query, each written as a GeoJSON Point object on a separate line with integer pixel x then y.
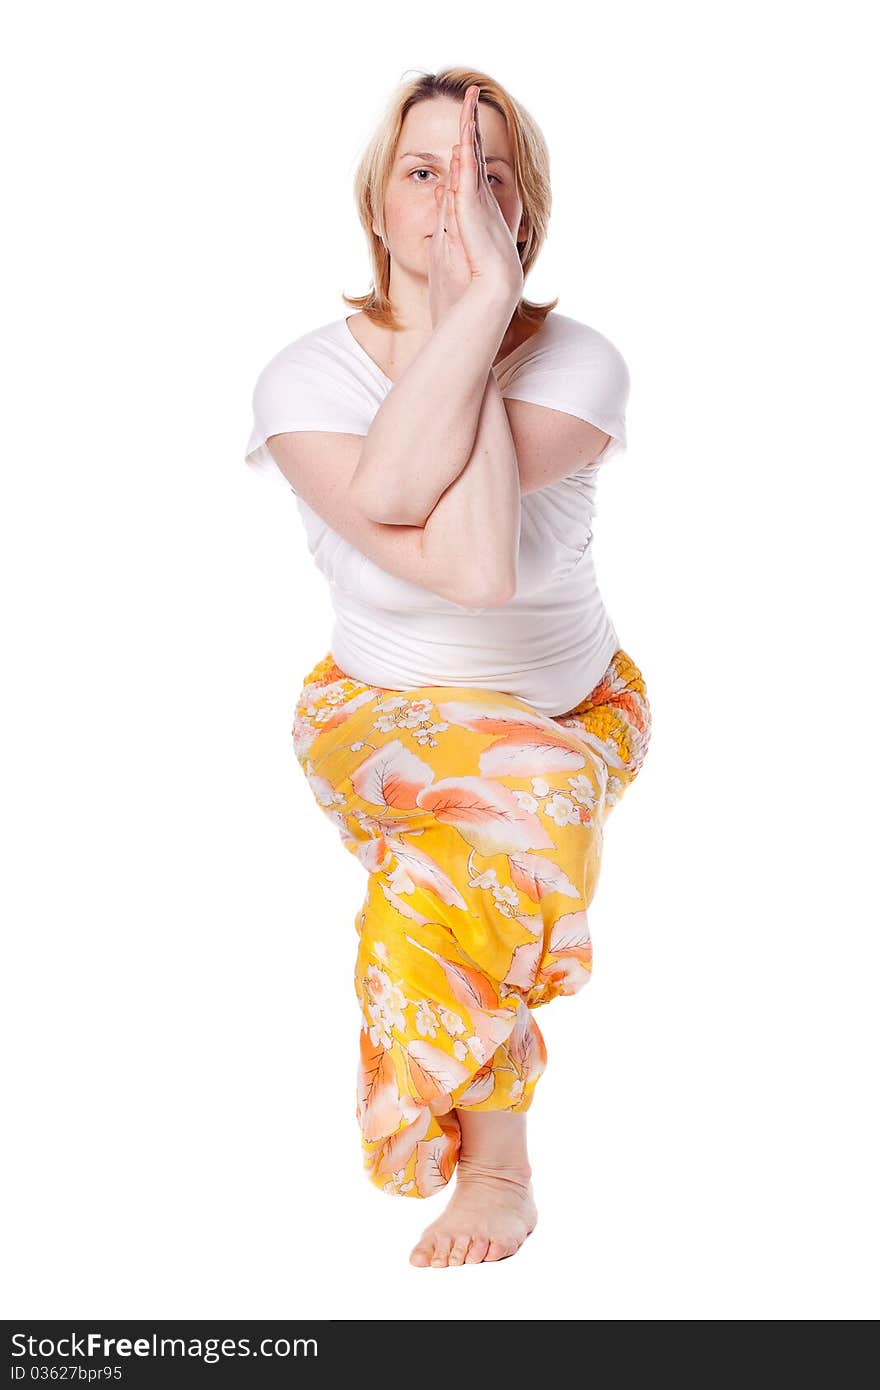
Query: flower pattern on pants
{"type": "Point", "coordinates": [479, 823]}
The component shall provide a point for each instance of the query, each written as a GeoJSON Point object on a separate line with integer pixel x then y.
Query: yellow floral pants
{"type": "Point", "coordinates": [479, 823]}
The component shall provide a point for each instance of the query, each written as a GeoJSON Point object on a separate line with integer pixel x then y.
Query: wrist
{"type": "Point", "coordinates": [496, 290]}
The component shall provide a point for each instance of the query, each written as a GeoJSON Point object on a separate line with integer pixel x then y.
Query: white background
{"type": "Point", "coordinates": [180, 1024]}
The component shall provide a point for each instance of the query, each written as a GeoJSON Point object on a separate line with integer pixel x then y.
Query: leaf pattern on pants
{"type": "Point", "coordinates": [479, 823]}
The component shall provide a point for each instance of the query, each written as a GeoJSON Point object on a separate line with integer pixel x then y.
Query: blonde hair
{"type": "Point", "coordinates": [531, 170]}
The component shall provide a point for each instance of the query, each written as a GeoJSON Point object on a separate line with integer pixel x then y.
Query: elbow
{"type": "Point", "coordinates": [366, 505]}
{"type": "Point", "coordinates": [494, 596]}
{"type": "Point", "coordinates": [384, 510]}
{"type": "Point", "coordinates": [390, 506]}
{"type": "Point", "coordinates": [395, 516]}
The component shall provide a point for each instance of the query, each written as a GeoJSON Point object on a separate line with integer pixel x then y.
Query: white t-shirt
{"type": "Point", "coordinates": [552, 641]}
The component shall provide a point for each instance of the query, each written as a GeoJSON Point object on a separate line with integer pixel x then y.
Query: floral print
{"type": "Point", "coordinates": [479, 823]}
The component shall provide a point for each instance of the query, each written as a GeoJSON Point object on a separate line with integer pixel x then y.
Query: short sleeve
{"type": "Point", "coordinates": [299, 389]}
{"type": "Point", "coordinates": [581, 372]}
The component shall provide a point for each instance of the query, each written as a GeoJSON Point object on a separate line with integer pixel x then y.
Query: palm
{"type": "Point", "coordinates": [471, 239]}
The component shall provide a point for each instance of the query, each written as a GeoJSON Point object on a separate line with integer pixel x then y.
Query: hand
{"type": "Point", "coordinates": [449, 271]}
{"type": "Point", "coordinates": [480, 226]}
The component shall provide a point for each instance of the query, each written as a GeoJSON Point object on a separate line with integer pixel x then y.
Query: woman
{"type": "Point", "coordinates": [476, 718]}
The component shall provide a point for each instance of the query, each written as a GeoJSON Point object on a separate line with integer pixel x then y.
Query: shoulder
{"type": "Point", "coordinates": [316, 374]}
{"type": "Point", "coordinates": [572, 359]}
{"type": "Point", "coordinates": [572, 369]}
{"type": "Point", "coordinates": [567, 336]}
{"type": "Point", "coordinates": [309, 385]}
{"type": "Point", "coordinates": [313, 349]}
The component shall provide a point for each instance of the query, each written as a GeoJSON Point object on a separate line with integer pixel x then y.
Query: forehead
{"type": "Point", "coordinates": [434, 125]}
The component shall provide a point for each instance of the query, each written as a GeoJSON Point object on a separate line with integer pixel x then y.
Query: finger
{"type": "Point", "coordinates": [450, 209]}
{"type": "Point", "coordinates": [467, 108]}
{"type": "Point", "coordinates": [468, 169]}
{"type": "Point", "coordinates": [474, 144]}
{"type": "Point", "coordinates": [452, 218]}
{"type": "Point", "coordinates": [479, 154]}
{"type": "Point", "coordinates": [469, 113]}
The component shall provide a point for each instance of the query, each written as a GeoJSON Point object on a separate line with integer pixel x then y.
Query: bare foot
{"type": "Point", "coordinates": [491, 1212]}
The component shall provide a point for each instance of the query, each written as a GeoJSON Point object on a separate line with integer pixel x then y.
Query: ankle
{"type": "Point", "coordinates": [495, 1140]}
{"type": "Point", "coordinates": [517, 1172]}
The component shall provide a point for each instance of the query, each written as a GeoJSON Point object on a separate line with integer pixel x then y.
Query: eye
{"type": "Point", "coordinates": [427, 171]}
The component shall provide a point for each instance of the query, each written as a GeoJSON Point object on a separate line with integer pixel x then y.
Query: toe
{"type": "Point", "coordinates": [421, 1254]}
{"type": "Point", "coordinates": [442, 1247]}
{"type": "Point", "coordinates": [459, 1250]}
{"type": "Point", "coordinates": [477, 1252]}
{"type": "Point", "coordinates": [499, 1250]}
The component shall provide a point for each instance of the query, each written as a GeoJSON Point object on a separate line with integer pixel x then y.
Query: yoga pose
{"type": "Point", "coordinates": [476, 718]}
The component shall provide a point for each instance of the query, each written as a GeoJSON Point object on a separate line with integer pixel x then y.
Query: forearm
{"type": "Point", "coordinates": [423, 433]}
{"type": "Point", "coordinates": [474, 529]}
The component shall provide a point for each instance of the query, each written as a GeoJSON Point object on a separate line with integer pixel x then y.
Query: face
{"type": "Point", "coordinates": [411, 205]}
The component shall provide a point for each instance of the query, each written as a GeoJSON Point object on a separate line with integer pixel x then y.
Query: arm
{"type": "Point", "coordinates": [423, 434]}
{"type": "Point", "coordinates": [320, 465]}
{"type": "Point", "coordinates": [475, 526]}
